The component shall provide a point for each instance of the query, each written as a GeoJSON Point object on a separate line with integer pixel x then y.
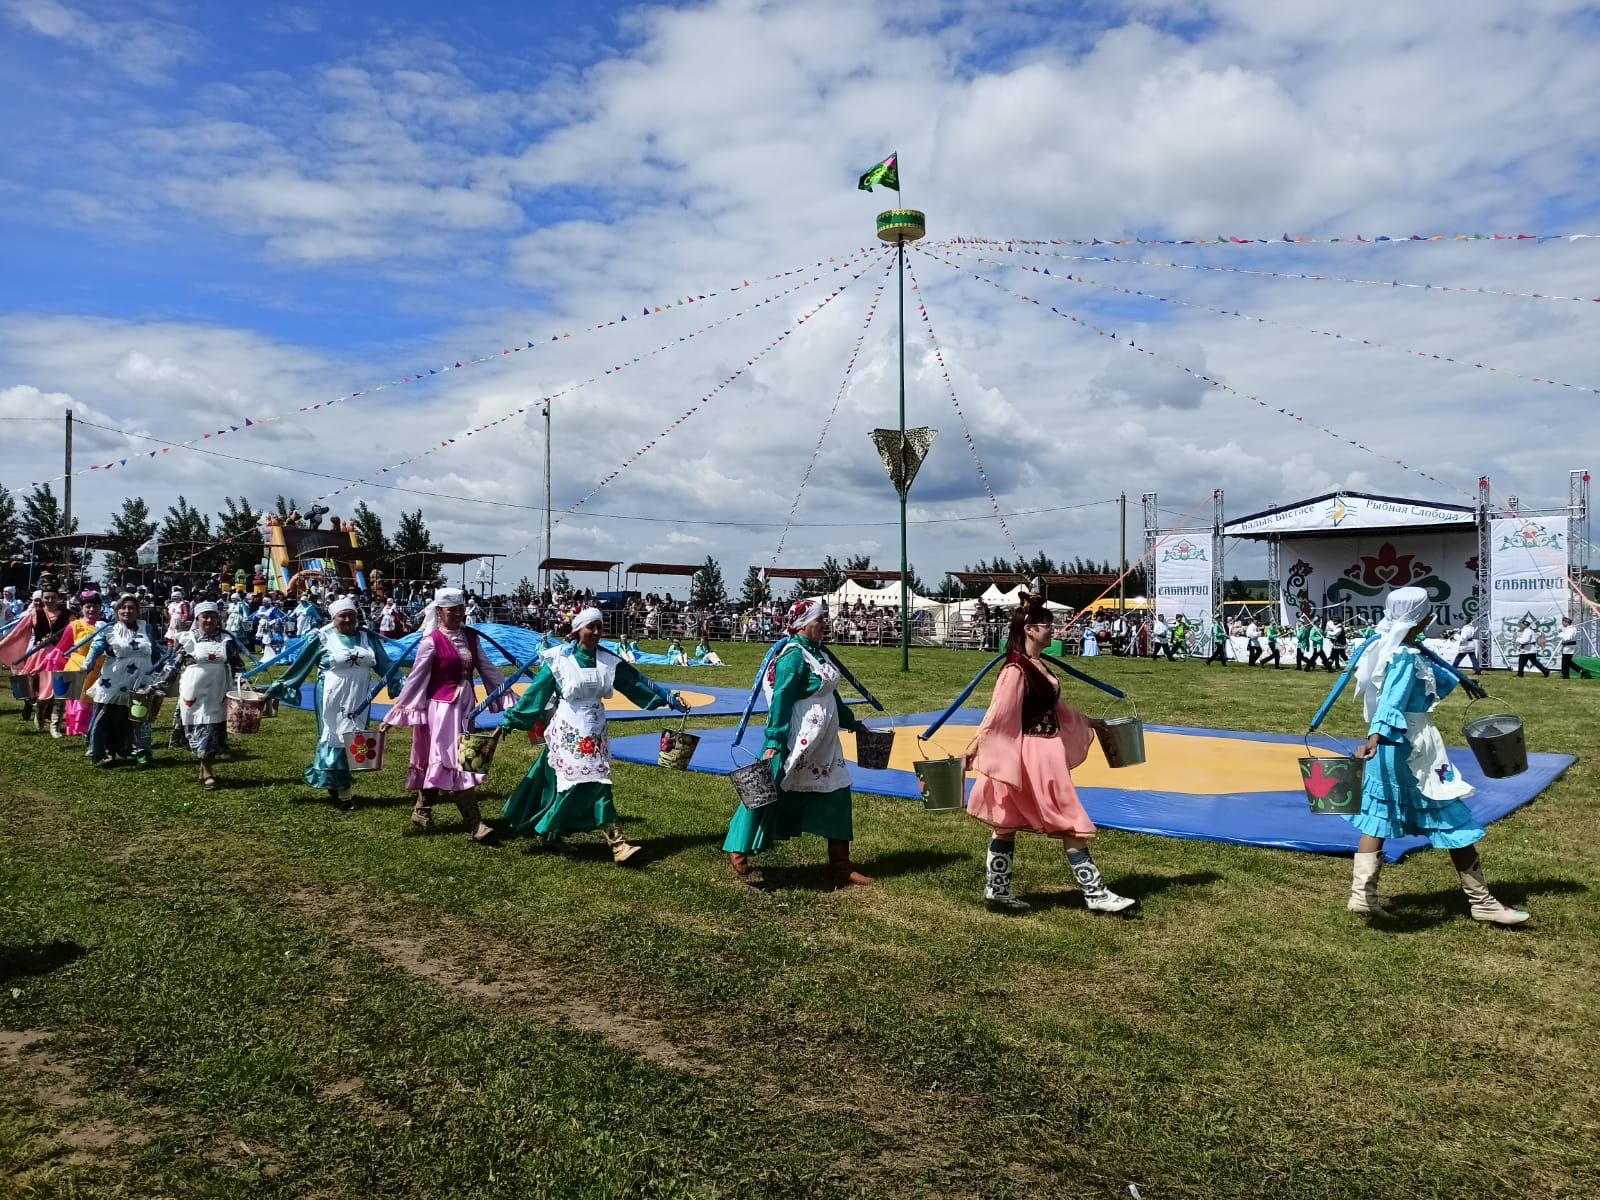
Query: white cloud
{"type": "Point", "coordinates": [722, 144]}
{"type": "Point", "coordinates": [144, 49]}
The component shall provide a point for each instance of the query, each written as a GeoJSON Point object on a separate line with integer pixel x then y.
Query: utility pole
{"type": "Point", "coordinates": [1122, 579]}
{"type": "Point", "coordinates": [547, 494]}
{"type": "Point", "coordinates": [66, 487]}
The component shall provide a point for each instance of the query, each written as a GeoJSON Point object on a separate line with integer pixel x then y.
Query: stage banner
{"type": "Point", "coordinates": [1183, 578]}
{"type": "Point", "coordinates": [1352, 575]}
{"type": "Point", "coordinates": [1528, 582]}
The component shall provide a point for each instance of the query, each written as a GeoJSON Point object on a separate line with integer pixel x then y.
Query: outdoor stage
{"type": "Point", "coordinates": [1202, 784]}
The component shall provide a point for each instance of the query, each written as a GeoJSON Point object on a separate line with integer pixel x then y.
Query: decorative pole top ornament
{"type": "Point", "coordinates": [902, 225]}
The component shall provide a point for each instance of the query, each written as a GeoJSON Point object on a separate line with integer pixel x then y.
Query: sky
{"type": "Point", "coordinates": [214, 213]}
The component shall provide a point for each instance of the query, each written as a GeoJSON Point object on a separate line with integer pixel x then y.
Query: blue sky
{"type": "Point", "coordinates": [209, 215]}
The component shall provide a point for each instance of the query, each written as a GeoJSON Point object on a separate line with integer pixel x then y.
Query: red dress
{"type": "Point", "coordinates": [1027, 746]}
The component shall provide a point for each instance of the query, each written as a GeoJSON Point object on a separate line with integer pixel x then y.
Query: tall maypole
{"type": "Point", "coordinates": [901, 449]}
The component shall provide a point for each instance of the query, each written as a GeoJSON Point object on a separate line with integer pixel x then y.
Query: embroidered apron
{"type": "Point", "coordinates": [579, 747]}
{"type": "Point", "coordinates": [203, 686]}
{"type": "Point", "coordinates": [346, 675]}
{"type": "Point", "coordinates": [128, 667]}
{"type": "Point", "coordinates": [815, 762]}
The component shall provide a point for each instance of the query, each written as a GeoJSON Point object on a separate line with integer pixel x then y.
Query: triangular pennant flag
{"type": "Point", "coordinates": [903, 454]}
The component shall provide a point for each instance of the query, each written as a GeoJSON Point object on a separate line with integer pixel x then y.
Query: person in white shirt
{"type": "Point", "coordinates": [1252, 634]}
{"type": "Point", "coordinates": [1467, 647]}
{"type": "Point", "coordinates": [1567, 640]}
{"type": "Point", "coordinates": [1161, 640]}
{"type": "Point", "coordinates": [178, 617]}
{"type": "Point", "coordinates": [1334, 641]}
{"type": "Point", "coordinates": [1528, 650]}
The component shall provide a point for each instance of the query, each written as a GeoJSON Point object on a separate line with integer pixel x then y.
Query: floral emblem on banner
{"type": "Point", "coordinates": [1532, 536]}
{"type": "Point", "coordinates": [1372, 574]}
{"type": "Point", "coordinates": [1184, 551]}
{"type": "Point", "coordinates": [1544, 627]}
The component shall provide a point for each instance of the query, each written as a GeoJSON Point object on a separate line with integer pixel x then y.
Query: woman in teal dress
{"type": "Point", "coordinates": [345, 656]}
{"type": "Point", "coordinates": [804, 715]}
{"type": "Point", "coordinates": [569, 788]}
{"type": "Point", "coordinates": [1410, 788]}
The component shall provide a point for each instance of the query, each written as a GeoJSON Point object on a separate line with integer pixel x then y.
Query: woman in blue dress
{"type": "Point", "coordinates": [1091, 641]}
{"type": "Point", "coordinates": [1410, 788]}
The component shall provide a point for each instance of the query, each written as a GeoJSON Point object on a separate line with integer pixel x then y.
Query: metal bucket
{"type": "Point", "coordinates": [244, 712]}
{"type": "Point", "coordinates": [146, 705]}
{"type": "Point", "coordinates": [69, 685]}
{"type": "Point", "coordinates": [873, 747]}
{"type": "Point", "coordinates": [475, 751]}
{"type": "Point", "coordinates": [942, 782]}
{"type": "Point", "coordinates": [756, 787]}
{"type": "Point", "coordinates": [1498, 744]}
{"type": "Point", "coordinates": [677, 748]}
{"type": "Point", "coordinates": [1332, 785]}
{"type": "Point", "coordinates": [1121, 738]}
{"type": "Point", "coordinates": [363, 749]}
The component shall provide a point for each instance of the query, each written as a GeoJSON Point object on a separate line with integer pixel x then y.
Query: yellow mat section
{"type": "Point", "coordinates": [1186, 764]}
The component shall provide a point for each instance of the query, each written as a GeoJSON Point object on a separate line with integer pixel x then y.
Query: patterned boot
{"type": "Point", "coordinates": [1484, 906]}
{"type": "Point", "coordinates": [422, 810]}
{"type": "Point", "coordinates": [1364, 885]}
{"type": "Point", "coordinates": [1096, 894]}
{"type": "Point", "coordinates": [621, 849]}
{"type": "Point", "coordinates": [472, 817]}
{"type": "Point", "coordinates": [997, 878]}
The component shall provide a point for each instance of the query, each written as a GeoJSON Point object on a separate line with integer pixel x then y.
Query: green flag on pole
{"type": "Point", "coordinates": [886, 173]}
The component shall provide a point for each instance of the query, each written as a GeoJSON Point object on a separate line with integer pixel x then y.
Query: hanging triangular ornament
{"type": "Point", "coordinates": [902, 454]}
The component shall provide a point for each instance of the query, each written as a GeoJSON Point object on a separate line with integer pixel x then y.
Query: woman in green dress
{"type": "Point", "coordinates": [804, 715]}
{"type": "Point", "coordinates": [569, 788]}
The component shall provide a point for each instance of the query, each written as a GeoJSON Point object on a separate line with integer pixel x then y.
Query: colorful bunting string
{"type": "Point", "coordinates": [717, 390]}
{"type": "Point", "coordinates": [1288, 239]}
{"type": "Point", "coordinates": [1201, 376]}
{"type": "Point", "coordinates": [1083, 281]}
{"type": "Point", "coordinates": [612, 370]}
{"type": "Point", "coordinates": [238, 425]}
{"type": "Point", "coordinates": [972, 446]}
{"type": "Point", "coordinates": [816, 450]}
{"type": "Point", "coordinates": [1314, 277]}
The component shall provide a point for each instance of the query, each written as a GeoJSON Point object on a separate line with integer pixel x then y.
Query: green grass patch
{"type": "Point", "coordinates": [251, 993]}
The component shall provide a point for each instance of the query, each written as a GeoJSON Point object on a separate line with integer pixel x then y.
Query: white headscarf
{"type": "Point", "coordinates": [1403, 608]}
{"type": "Point", "coordinates": [445, 597]}
{"type": "Point", "coordinates": [803, 613]}
{"type": "Point", "coordinates": [177, 594]}
{"type": "Point", "coordinates": [589, 616]}
{"type": "Point", "coordinates": [343, 604]}
{"type": "Point", "coordinates": [204, 607]}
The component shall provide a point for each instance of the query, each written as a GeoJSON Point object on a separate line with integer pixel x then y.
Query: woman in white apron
{"type": "Point", "coordinates": [345, 657]}
{"type": "Point", "coordinates": [126, 651]}
{"type": "Point", "coordinates": [804, 716]}
{"type": "Point", "coordinates": [208, 660]}
{"type": "Point", "coordinates": [569, 788]}
{"type": "Point", "coordinates": [1410, 788]}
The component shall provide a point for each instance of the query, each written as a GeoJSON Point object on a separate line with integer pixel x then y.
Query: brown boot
{"type": "Point", "coordinates": [740, 864]}
{"type": "Point", "coordinates": [840, 867]}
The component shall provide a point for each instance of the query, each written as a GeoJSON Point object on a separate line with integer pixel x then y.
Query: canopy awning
{"type": "Point", "coordinates": [578, 564]}
{"type": "Point", "coordinates": [1014, 579]}
{"type": "Point", "coordinates": [646, 568]}
{"type": "Point", "coordinates": [452, 557]}
{"type": "Point", "coordinates": [792, 572]}
{"type": "Point", "coordinates": [86, 541]}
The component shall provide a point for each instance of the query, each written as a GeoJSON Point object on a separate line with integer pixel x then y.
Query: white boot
{"type": "Point", "coordinates": [1364, 885]}
{"type": "Point", "coordinates": [1096, 894]}
{"type": "Point", "coordinates": [997, 892]}
{"type": "Point", "coordinates": [1484, 906]}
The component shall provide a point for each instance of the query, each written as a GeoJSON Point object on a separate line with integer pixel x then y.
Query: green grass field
{"type": "Point", "coordinates": [250, 993]}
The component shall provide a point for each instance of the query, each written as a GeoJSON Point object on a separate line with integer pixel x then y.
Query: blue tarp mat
{"type": "Point", "coordinates": [1277, 819]}
{"type": "Point", "coordinates": [725, 702]}
{"type": "Point", "coordinates": [524, 643]}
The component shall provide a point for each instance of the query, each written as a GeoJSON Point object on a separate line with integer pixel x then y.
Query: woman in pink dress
{"type": "Point", "coordinates": [436, 702]}
{"type": "Point", "coordinates": [1024, 753]}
